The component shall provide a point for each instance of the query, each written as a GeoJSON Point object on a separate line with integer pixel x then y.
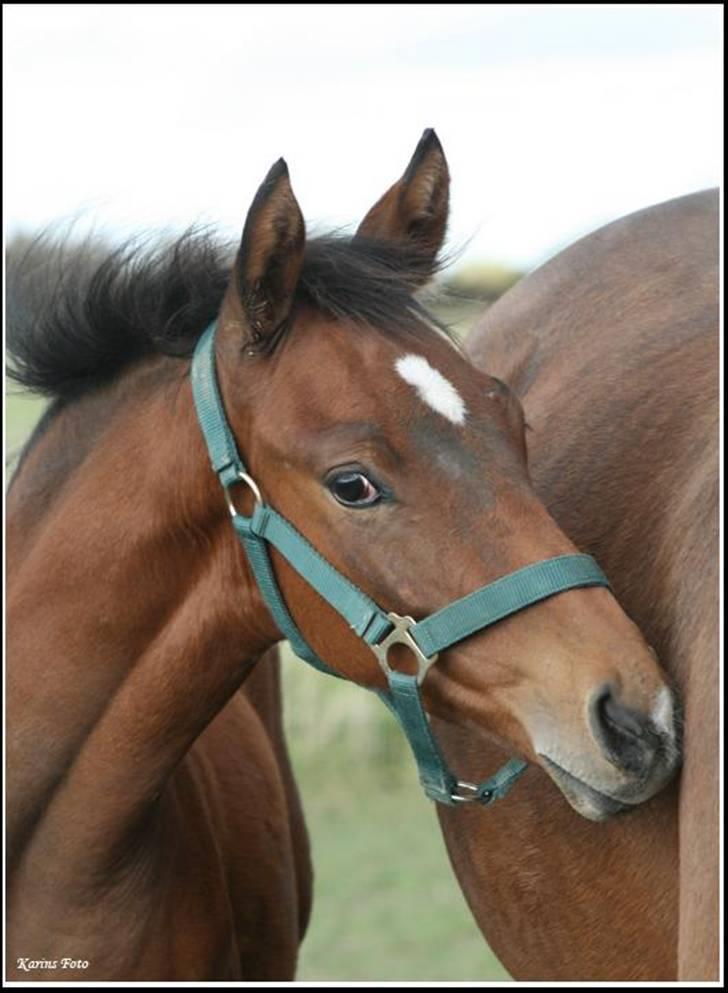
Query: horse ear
{"type": "Point", "coordinates": [414, 211]}
{"type": "Point", "coordinates": [270, 256]}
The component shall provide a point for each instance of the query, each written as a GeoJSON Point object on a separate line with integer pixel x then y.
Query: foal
{"type": "Point", "coordinates": [150, 822]}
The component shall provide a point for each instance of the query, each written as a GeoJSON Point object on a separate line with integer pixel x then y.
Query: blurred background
{"type": "Point", "coordinates": [555, 118]}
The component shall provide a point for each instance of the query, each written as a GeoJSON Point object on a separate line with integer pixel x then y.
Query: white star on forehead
{"type": "Point", "coordinates": [432, 387]}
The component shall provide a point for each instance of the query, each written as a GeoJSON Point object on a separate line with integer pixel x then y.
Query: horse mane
{"type": "Point", "coordinates": [79, 314]}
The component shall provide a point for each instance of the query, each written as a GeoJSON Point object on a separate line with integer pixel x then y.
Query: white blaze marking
{"type": "Point", "coordinates": [662, 711]}
{"type": "Point", "coordinates": [432, 387]}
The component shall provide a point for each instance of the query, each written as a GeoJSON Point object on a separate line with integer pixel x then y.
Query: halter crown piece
{"type": "Point", "coordinates": [379, 629]}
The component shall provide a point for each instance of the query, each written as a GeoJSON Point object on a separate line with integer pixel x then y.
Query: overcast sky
{"type": "Point", "coordinates": [555, 118]}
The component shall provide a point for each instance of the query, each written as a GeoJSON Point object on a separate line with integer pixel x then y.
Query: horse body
{"type": "Point", "coordinates": [154, 829]}
{"type": "Point", "coordinates": [612, 348]}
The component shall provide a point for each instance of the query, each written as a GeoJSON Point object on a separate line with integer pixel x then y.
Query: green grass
{"type": "Point", "coordinates": [22, 410]}
{"type": "Point", "coordinates": [387, 906]}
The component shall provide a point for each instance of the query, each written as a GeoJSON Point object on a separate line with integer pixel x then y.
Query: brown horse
{"type": "Point", "coordinates": [612, 348]}
{"type": "Point", "coordinates": [150, 825]}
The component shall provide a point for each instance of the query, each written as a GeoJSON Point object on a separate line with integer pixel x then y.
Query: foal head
{"type": "Point", "coordinates": [366, 427]}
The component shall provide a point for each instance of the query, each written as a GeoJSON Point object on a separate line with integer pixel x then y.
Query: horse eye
{"type": "Point", "coordinates": [353, 489]}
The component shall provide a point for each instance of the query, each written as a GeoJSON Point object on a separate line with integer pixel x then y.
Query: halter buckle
{"type": "Point", "coordinates": [242, 477]}
{"type": "Point", "coordinates": [470, 795]}
{"type": "Point", "coordinates": [400, 635]}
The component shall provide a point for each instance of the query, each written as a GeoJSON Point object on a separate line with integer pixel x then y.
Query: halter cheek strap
{"type": "Point", "coordinates": [378, 629]}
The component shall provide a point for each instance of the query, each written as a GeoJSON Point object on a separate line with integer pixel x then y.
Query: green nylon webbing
{"type": "Point", "coordinates": [503, 597]}
{"type": "Point", "coordinates": [435, 776]}
{"type": "Point", "coordinates": [362, 614]}
{"type": "Point", "coordinates": [221, 447]}
{"type": "Point", "coordinates": [403, 697]}
{"type": "Point", "coordinates": [453, 623]}
{"type": "Point", "coordinates": [257, 552]}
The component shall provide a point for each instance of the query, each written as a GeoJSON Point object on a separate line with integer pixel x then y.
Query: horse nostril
{"type": "Point", "coordinates": [625, 735]}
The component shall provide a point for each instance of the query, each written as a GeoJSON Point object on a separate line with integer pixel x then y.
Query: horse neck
{"type": "Point", "coordinates": [132, 615]}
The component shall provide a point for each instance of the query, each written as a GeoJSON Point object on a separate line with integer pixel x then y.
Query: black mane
{"type": "Point", "coordinates": [78, 315]}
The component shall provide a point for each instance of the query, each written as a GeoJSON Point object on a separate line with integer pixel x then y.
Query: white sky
{"type": "Point", "coordinates": [555, 118]}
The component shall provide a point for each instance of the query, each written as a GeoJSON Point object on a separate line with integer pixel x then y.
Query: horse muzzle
{"type": "Point", "coordinates": [642, 752]}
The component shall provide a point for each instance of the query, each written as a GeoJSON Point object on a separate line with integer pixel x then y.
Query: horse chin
{"type": "Point", "coordinates": [585, 800]}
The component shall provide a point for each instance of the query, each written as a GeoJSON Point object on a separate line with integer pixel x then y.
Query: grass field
{"type": "Point", "coordinates": [22, 410]}
{"type": "Point", "coordinates": [386, 904]}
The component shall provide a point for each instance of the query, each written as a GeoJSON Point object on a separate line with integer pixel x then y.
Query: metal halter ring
{"type": "Point", "coordinates": [243, 477]}
{"type": "Point", "coordinates": [400, 635]}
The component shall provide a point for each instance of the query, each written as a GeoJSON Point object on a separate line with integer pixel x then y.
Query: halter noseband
{"type": "Point", "coordinates": [379, 629]}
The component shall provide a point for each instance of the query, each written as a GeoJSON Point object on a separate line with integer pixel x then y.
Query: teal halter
{"type": "Point", "coordinates": [379, 629]}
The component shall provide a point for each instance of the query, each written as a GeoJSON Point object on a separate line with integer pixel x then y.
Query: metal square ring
{"type": "Point", "coordinates": [400, 635]}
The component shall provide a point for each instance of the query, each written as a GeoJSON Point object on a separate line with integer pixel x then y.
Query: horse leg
{"type": "Point", "coordinates": [263, 688]}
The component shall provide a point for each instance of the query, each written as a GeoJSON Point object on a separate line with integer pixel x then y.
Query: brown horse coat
{"type": "Point", "coordinates": [612, 348]}
{"type": "Point", "coordinates": [154, 828]}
